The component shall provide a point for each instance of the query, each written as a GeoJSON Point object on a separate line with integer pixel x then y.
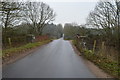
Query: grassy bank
{"type": "Point", "coordinates": [10, 52]}
{"type": "Point", "coordinates": [103, 62]}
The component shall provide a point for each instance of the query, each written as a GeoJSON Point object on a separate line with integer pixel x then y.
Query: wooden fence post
{"type": "Point", "coordinates": [102, 48]}
{"type": "Point", "coordinates": [94, 45]}
{"type": "Point", "coordinates": [9, 40]}
{"type": "Point", "coordinates": [103, 45]}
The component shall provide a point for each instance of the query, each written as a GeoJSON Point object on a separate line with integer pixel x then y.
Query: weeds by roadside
{"type": "Point", "coordinates": [18, 50]}
{"type": "Point", "coordinates": [108, 65]}
{"type": "Point", "coordinates": [104, 63]}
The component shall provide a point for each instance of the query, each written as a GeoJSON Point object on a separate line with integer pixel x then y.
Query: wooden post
{"type": "Point", "coordinates": [103, 45]}
{"type": "Point", "coordinates": [94, 45]}
{"type": "Point", "coordinates": [102, 48]}
{"type": "Point", "coordinates": [9, 40]}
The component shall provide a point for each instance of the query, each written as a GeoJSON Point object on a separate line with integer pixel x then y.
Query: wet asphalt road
{"type": "Point", "coordinates": [54, 60]}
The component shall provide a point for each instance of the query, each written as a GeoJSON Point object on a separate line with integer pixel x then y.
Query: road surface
{"type": "Point", "coordinates": [54, 60]}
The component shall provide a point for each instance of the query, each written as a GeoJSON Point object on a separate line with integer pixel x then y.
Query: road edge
{"type": "Point", "coordinates": [20, 56]}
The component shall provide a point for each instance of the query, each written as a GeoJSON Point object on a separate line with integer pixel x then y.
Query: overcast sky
{"type": "Point", "coordinates": [68, 12]}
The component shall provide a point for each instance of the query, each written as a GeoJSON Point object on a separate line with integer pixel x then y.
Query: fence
{"type": "Point", "coordinates": [97, 47]}
{"type": "Point", "coordinates": [17, 41]}
{"type": "Point", "coordinates": [13, 41]}
{"type": "Point", "coordinates": [41, 38]}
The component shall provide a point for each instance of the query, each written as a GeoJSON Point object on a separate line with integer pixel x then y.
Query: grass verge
{"type": "Point", "coordinates": [104, 63]}
{"type": "Point", "coordinates": [12, 51]}
{"type": "Point", "coordinates": [108, 65]}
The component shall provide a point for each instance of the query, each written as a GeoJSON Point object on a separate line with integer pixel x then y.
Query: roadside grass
{"type": "Point", "coordinates": [12, 51]}
{"type": "Point", "coordinates": [104, 63]}
{"type": "Point", "coordinates": [108, 65]}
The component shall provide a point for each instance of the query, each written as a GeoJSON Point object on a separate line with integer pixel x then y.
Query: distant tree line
{"type": "Point", "coordinates": [54, 31]}
{"type": "Point", "coordinates": [70, 30]}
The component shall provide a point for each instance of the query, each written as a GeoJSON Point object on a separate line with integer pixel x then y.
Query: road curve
{"type": "Point", "coordinates": [54, 60]}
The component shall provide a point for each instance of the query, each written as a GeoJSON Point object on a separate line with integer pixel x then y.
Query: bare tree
{"type": "Point", "coordinates": [39, 14]}
{"type": "Point", "coordinates": [104, 17]}
{"type": "Point", "coordinates": [9, 15]}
